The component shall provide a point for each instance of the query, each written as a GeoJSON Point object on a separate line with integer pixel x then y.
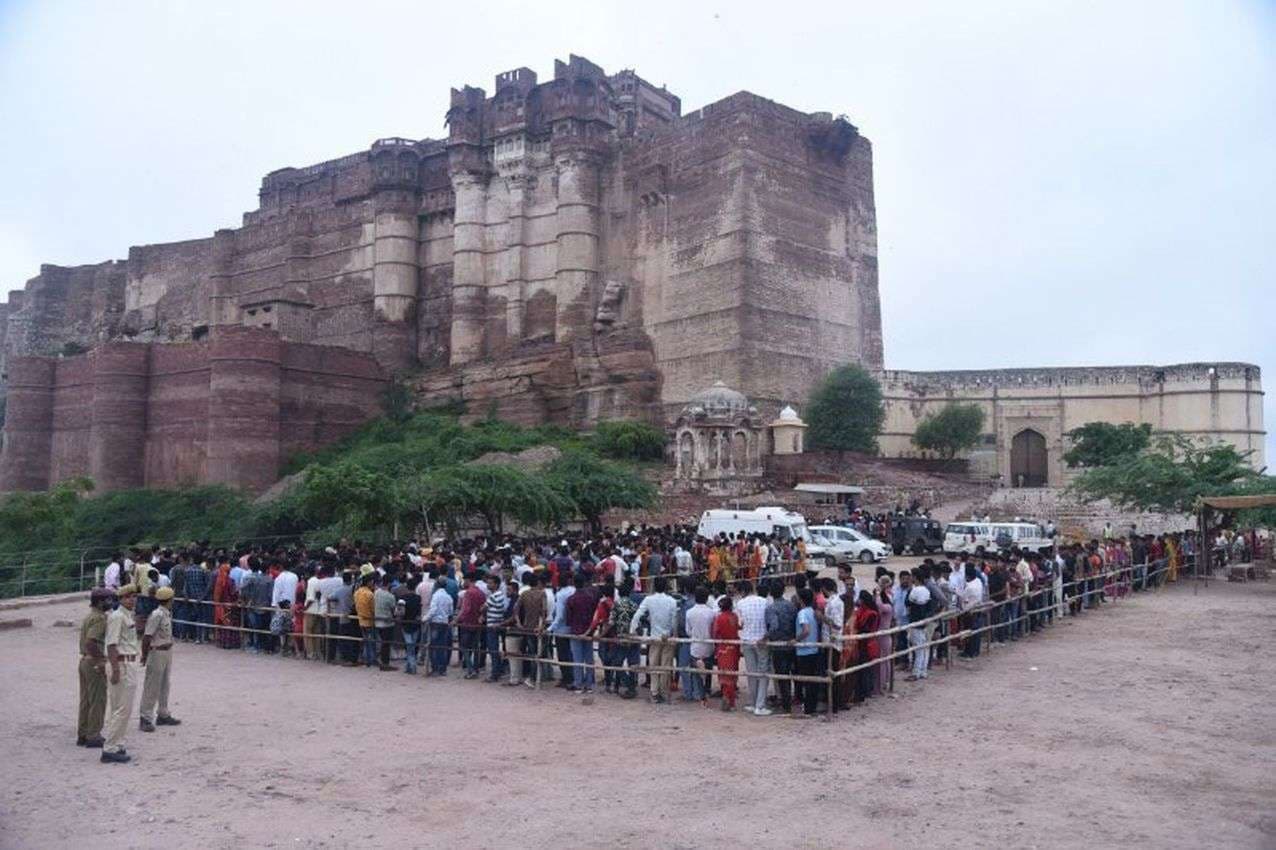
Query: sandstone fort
{"type": "Point", "coordinates": [577, 249]}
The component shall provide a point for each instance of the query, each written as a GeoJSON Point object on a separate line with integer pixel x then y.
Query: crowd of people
{"type": "Point", "coordinates": [661, 606]}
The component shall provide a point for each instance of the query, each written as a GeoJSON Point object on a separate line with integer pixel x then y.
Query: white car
{"type": "Point", "coordinates": [852, 545]}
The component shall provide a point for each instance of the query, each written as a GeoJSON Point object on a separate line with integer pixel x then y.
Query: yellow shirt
{"type": "Point", "coordinates": [364, 607]}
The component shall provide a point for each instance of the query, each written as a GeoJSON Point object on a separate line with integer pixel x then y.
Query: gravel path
{"type": "Point", "coordinates": [1147, 724]}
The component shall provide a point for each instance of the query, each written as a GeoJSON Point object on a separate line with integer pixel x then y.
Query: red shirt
{"type": "Point", "coordinates": [471, 606]}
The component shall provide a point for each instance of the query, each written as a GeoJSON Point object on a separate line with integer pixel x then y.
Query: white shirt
{"type": "Point", "coordinates": [425, 590]}
{"type": "Point", "coordinates": [972, 593]}
{"type": "Point", "coordinates": [111, 578]}
{"type": "Point", "coordinates": [700, 627]}
{"type": "Point", "coordinates": [285, 588]}
{"type": "Point", "coordinates": [312, 594]}
{"type": "Point", "coordinates": [661, 611]}
{"type": "Point", "coordinates": [835, 613]}
{"type": "Point", "coordinates": [752, 613]}
{"type": "Point", "coordinates": [682, 560]}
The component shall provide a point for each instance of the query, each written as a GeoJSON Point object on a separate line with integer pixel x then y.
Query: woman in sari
{"type": "Point", "coordinates": [225, 607]}
{"type": "Point", "coordinates": [885, 620]}
{"type": "Point", "coordinates": [1171, 559]}
{"type": "Point", "coordinates": [865, 621]}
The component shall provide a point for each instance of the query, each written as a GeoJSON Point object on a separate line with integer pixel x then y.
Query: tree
{"type": "Point", "coordinates": [951, 430]}
{"type": "Point", "coordinates": [1102, 443]}
{"type": "Point", "coordinates": [594, 486]}
{"type": "Point", "coordinates": [344, 495]}
{"type": "Point", "coordinates": [453, 495]}
{"type": "Point", "coordinates": [1169, 476]}
{"type": "Point", "coordinates": [845, 411]}
{"type": "Point", "coordinates": [629, 440]}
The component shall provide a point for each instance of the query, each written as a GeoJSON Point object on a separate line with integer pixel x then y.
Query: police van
{"type": "Point", "coordinates": [977, 538]}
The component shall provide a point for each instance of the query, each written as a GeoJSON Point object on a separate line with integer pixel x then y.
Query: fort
{"type": "Point", "coordinates": [575, 250]}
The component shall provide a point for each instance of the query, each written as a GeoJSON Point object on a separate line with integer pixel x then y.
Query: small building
{"type": "Point", "coordinates": [827, 494]}
{"type": "Point", "coordinates": [787, 433]}
{"type": "Point", "coordinates": [718, 439]}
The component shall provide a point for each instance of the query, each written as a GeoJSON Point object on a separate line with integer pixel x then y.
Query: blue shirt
{"type": "Point", "coordinates": [807, 617]}
{"type": "Point", "coordinates": [559, 624]}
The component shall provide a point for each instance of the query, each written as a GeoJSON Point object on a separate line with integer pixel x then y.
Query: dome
{"type": "Point", "coordinates": [720, 400]}
{"type": "Point", "coordinates": [788, 414]}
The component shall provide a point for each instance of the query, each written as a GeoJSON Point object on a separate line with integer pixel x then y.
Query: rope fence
{"type": "Point", "coordinates": [1025, 614]}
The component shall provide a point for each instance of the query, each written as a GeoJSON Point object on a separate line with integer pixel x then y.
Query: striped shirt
{"type": "Point", "coordinates": [495, 608]}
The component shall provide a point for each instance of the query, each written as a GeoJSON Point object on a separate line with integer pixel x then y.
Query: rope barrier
{"type": "Point", "coordinates": [1037, 607]}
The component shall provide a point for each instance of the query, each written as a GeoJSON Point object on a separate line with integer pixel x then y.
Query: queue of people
{"type": "Point", "coordinates": [738, 619]}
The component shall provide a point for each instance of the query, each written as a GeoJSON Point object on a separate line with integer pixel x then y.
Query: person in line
{"type": "Point", "coordinates": [726, 628]}
{"type": "Point", "coordinates": [439, 618]}
{"type": "Point", "coordinates": [659, 611]}
{"type": "Point", "coordinates": [384, 605]}
{"type": "Point", "coordinates": [807, 652]}
{"type": "Point", "coordinates": [757, 658]}
{"type": "Point", "coordinates": [781, 631]}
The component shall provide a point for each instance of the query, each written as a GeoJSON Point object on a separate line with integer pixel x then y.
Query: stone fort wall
{"type": "Point", "coordinates": [575, 249]}
{"type": "Point", "coordinates": [227, 410]}
{"type": "Point", "coordinates": [1213, 401]}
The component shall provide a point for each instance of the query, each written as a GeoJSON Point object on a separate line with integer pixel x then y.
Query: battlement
{"type": "Point", "coordinates": [1071, 376]}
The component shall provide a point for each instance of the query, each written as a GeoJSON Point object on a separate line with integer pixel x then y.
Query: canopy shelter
{"type": "Point", "coordinates": [827, 494]}
{"type": "Point", "coordinates": [1205, 505]}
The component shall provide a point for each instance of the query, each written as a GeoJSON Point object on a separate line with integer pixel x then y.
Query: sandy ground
{"type": "Point", "coordinates": [1147, 724]}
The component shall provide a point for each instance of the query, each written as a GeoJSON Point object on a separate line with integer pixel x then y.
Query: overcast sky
{"type": "Point", "coordinates": [1058, 183]}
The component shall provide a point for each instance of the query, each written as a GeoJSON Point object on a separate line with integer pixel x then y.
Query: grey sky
{"type": "Point", "coordinates": [1058, 183]}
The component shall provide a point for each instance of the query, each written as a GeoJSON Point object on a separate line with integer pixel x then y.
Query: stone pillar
{"type": "Point", "coordinates": [117, 419]}
{"type": "Point", "coordinates": [468, 278]}
{"type": "Point", "coordinates": [222, 307]}
{"type": "Point", "coordinates": [243, 407]}
{"type": "Point", "coordinates": [577, 271]}
{"type": "Point", "coordinates": [515, 285]}
{"type": "Point", "coordinates": [395, 278]}
{"type": "Point", "coordinates": [28, 424]}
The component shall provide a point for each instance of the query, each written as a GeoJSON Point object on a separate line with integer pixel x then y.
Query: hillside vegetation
{"type": "Point", "coordinates": [394, 477]}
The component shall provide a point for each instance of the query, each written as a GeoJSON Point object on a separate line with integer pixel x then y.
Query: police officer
{"type": "Point", "coordinates": [157, 659]}
{"type": "Point", "coordinates": [88, 732]}
{"type": "Point", "coordinates": [122, 651]}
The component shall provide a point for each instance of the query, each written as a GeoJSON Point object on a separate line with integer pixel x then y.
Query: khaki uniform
{"type": "Point", "coordinates": [159, 663]}
{"type": "Point", "coordinates": [92, 677]}
{"type": "Point", "coordinates": [122, 634]}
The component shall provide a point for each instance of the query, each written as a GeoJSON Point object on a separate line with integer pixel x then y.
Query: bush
{"type": "Point", "coordinates": [629, 440]}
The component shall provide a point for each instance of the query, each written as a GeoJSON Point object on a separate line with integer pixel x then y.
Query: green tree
{"type": "Point", "coordinates": [845, 411]}
{"type": "Point", "coordinates": [454, 495]}
{"type": "Point", "coordinates": [344, 496]}
{"type": "Point", "coordinates": [1102, 443]}
{"type": "Point", "coordinates": [594, 486]}
{"type": "Point", "coordinates": [1170, 475]}
{"type": "Point", "coordinates": [955, 428]}
{"type": "Point", "coordinates": [629, 440]}
{"type": "Point", "coordinates": [396, 400]}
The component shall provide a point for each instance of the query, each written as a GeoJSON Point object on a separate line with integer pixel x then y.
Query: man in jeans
{"type": "Point", "coordinates": [781, 620]}
{"type": "Point", "coordinates": [469, 621]}
{"type": "Point", "coordinates": [494, 616]}
{"type": "Point", "coordinates": [626, 654]}
{"type": "Point", "coordinates": [918, 601]}
{"type": "Point", "coordinates": [439, 619]}
{"type": "Point", "coordinates": [751, 611]}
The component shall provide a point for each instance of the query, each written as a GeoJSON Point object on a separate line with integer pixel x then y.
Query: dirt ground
{"type": "Point", "coordinates": [1146, 724]}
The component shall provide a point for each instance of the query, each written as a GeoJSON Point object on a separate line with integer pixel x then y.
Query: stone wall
{"type": "Point", "coordinates": [1212, 401]}
{"type": "Point", "coordinates": [580, 222]}
{"type": "Point", "coordinates": [229, 410]}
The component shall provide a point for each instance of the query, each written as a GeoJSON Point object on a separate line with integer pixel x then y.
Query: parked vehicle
{"type": "Point", "coordinates": [851, 545]}
{"type": "Point", "coordinates": [917, 534]}
{"type": "Point", "coordinates": [784, 524]}
{"type": "Point", "coordinates": [978, 538]}
{"type": "Point", "coordinates": [968, 538]}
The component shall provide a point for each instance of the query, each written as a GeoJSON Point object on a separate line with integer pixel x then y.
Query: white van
{"type": "Point", "coordinates": [1027, 536]}
{"type": "Point", "coordinates": [784, 524]}
{"type": "Point", "coordinates": [994, 537]}
{"type": "Point", "coordinates": [969, 538]}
